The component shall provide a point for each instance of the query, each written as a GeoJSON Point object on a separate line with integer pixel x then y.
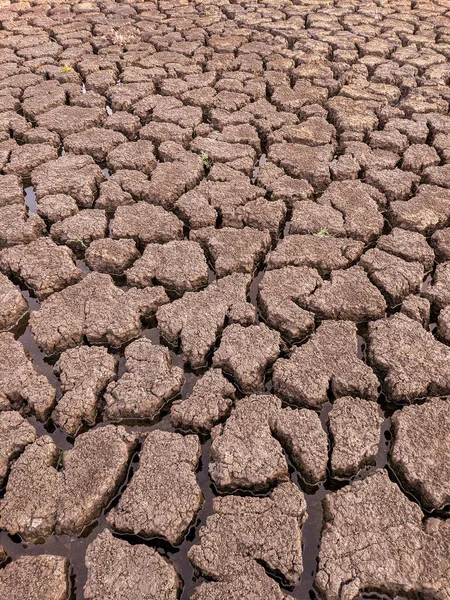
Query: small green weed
{"type": "Point", "coordinates": [207, 162]}
{"type": "Point", "coordinates": [323, 232]}
{"type": "Point", "coordinates": [60, 464]}
{"type": "Point", "coordinates": [66, 68]}
{"type": "Point", "coordinates": [79, 240]}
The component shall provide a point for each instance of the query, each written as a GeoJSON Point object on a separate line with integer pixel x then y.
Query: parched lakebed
{"type": "Point", "coordinates": [224, 300]}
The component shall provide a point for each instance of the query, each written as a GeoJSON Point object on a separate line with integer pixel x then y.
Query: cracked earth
{"type": "Point", "coordinates": [224, 300]}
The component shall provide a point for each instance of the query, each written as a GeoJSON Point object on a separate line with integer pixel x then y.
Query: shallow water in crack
{"type": "Point", "coordinates": [262, 161]}
{"type": "Point", "coordinates": [75, 547]}
{"type": "Point", "coordinates": [30, 199]}
{"type": "Point", "coordinates": [187, 26]}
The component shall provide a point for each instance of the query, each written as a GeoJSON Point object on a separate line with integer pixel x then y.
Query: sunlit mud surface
{"type": "Point", "coordinates": [224, 300]}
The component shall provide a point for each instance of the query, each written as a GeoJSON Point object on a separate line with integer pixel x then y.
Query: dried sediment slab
{"type": "Point", "coordinates": [163, 496]}
{"type": "Point", "coordinates": [304, 162]}
{"type": "Point", "coordinates": [117, 569]}
{"type": "Point", "coordinates": [280, 293]}
{"type": "Point", "coordinates": [56, 208]}
{"type": "Point", "coordinates": [417, 308]}
{"type": "Point", "coordinates": [397, 185]}
{"type": "Point", "coordinates": [427, 211]}
{"type": "Point", "coordinates": [301, 434]}
{"type": "Point", "coordinates": [376, 540]}
{"type": "Point", "coordinates": [314, 131]}
{"type": "Point", "coordinates": [440, 240]}
{"type": "Point", "coordinates": [66, 120]}
{"type": "Point", "coordinates": [19, 381]}
{"type": "Point", "coordinates": [359, 204]}
{"type": "Point", "coordinates": [80, 229]}
{"type": "Point", "coordinates": [118, 191]}
{"type": "Point", "coordinates": [439, 292]}
{"type": "Point", "coordinates": [95, 142]}
{"type": "Point", "coordinates": [396, 277]}
{"type": "Point", "coordinates": [321, 253]}
{"type": "Point", "coordinates": [96, 309]}
{"type": "Point", "coordinates": [241, 156]}
{"type": "Point", "coordinates": [159, 132]}
{"type": "Point", "coordinates": [267, 530]}
{"type": "Point", "coordinates": [180, 171]}
{"type": "Point", "coordinates": [412, 362]}
{"type": "Point", "coordinates": [92, 473]}
{"type": "Point", "coordinates": [247, 580]}
{"type": "Point", "coordinates": [233, 250]}
{"type": "Point", "coordinates": [420, 449]}
{"type": "Point", "coordinates": [84, 373]}
{"type": "Point", "coordinates": [419, 157]}
{"type": "Point", "coordinates": [246, 353]}
{"type": "Point", "coordinates": [238, 203]}
{"type": "Point", "coordinates": [27, 157]}
{"type": "Point", "coordinates": [44, 577]}
{"type": "Point", "coordinates": [328, 359]}
{"type": "Point", "coordinates": [244, 454]}
{"type": "Point", "coordinates": [13, 305]}
{"type": "Point", "coordinates": [309, 217]}
{"type": "Point", "coordinates": [74, 175]}
{"type": "Point", "coordinates": [196, 319]}
{"type": "Point", "coordinates": [179, 265]}
{"type": "Point", "coordinates": [209, 402]}
{"type": "Point", "coordinates": [11, 190]}
{"type": "Point", "coordinates": [437, 175]}
{"type": "Point", "coordinates": [42, 265]}
{"type": "Point", "coordinates": [149, 381]}
{"type": "Point", "coordinates": [133, 155]}
{"type": "Point", "coordinates": [146, 224]}
{"type": "Point", "coordinates": [18, 227]}
{"type": "Point", "coordinates": [15, 434]}
{"type": "Point", "coordinates": [283, 187]}
{"type": "Point", "coordinates": [194, 209]}
{"type": "Point", "coordinates": [355, 427]}
{"type": "Point", "coordinates": [444, 325]}
{"type": "Point", "coordinates": [348, 295]}
{"type": "Point", "coordinates": [409, 245]}
{"type": "Point", "coordinates": [263, 215]}
{"type": "Point", "coordinates": [40, 499]}
{"type": "Point", "coordinates": [111, 256]}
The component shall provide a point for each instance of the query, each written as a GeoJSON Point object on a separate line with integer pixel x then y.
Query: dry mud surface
{"type": "Point", "coordinates": [224, 300]}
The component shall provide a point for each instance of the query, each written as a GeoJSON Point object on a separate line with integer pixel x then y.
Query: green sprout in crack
{"type": "Point", "coordinates": [66, 68]}
{"type": "Point", "coordinates": [207, 162]}
{"type": "Point", "coordinates": [323, 232]}
{"type": "Point", "coordinates": [79, 240]}
{"type": "Point", "coordinates": [62, 456]}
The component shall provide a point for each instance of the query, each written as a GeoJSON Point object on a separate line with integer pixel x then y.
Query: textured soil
{"type": "Point", "coordinates": [224, 300]}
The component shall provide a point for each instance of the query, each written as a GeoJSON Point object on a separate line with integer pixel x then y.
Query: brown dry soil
{"type": "Point", "coordinates": [224, 299]}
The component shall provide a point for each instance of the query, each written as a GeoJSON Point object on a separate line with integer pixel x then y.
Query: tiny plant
{"type": "Point", "coordinates": [66, 68]}
{"type": "Point", "coordinates": [207, 162]}
{"type": "Point", "coordinates": [79, 240]}
{"type": "Point", "coordinates": [62, 456]}
{"type": "Point", "coordinates": [323, 232]}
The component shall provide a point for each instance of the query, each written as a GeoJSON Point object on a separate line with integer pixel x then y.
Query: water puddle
{"type": "Point", "coordinates": [30, 199]}
{"type": "Point", "coordinates": [75, 547]}
{"type": "Point", "coordinates": [262, 161]}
